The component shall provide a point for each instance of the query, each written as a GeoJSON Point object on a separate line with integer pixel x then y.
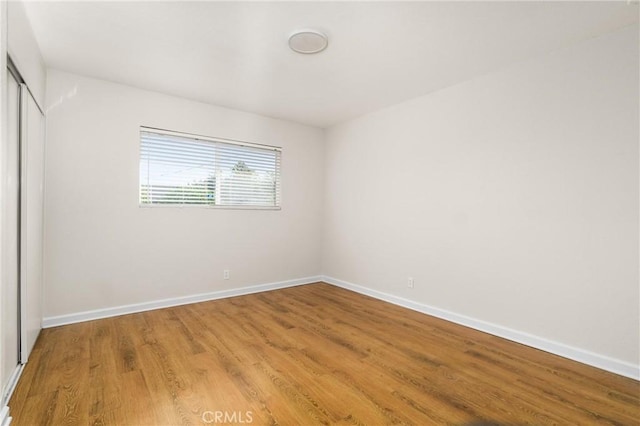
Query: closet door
{"type": "Point", "coordinates": [10, 214]}
{"type": "Point", "coordinates": [31, 223]}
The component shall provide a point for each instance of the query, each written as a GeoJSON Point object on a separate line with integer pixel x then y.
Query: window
{"type": "Point", "coordinates": [182, 169]}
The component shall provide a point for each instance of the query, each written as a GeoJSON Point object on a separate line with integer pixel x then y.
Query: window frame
{"type": "Point", "coordinates": [148, 129]}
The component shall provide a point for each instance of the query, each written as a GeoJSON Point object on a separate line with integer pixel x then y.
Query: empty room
{"type": "Point", "coordinates": [319, 213]}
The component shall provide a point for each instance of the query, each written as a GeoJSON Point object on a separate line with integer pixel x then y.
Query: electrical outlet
{"type": "Point", "coordinates": [410, 282]}
{"type": "Point", "coordinates": [225, 274]}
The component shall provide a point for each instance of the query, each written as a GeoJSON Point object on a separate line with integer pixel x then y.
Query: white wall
{"type": "Point", "coordinates": [511, 198]}
{"type": "Point", "coordinates": [102, 250]}
{"type": "Point", "coordinates": [24, 50]}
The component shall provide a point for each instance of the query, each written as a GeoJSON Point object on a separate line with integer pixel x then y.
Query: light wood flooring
{"type": "Point", "coordinates": [307, 355]}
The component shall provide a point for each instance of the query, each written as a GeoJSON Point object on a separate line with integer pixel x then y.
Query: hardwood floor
{"type": "Point", "coordinates": [313, 354]}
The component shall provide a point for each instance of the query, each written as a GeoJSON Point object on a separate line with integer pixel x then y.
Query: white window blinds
{"type": "Point", "coordinates": [182, 169]}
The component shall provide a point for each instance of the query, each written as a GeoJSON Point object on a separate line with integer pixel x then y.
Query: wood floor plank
{"type": "Point", "coordinates": [104, 391]}
{"type": "Point", "coordinates": [306, 355]}
{"type": "Point", "coordinates": [38, 409]}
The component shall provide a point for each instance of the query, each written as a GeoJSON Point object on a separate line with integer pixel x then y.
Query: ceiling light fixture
{"type": "Point", "coordinates": [308, 41]}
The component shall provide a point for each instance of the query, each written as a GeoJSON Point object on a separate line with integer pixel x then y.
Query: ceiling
{"type": "Point", "coordinates": [235, 54]}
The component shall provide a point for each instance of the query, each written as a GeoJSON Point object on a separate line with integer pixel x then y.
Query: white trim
{"type": "Point", "coordinates": [5, 418]}
{"type": "Point", "coordinates": [12, 382]}
{"type": "Point", "coordinates": [581, 355]}
{"type": "Point", "coordinates": [175, 301]}
{"type": "Point", "coordinates": [603, 362]}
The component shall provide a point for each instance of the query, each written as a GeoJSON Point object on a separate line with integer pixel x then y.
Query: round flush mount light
{"type": "Point", "coordinates": [308, 41]}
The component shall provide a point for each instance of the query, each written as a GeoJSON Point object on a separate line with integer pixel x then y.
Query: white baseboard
{"type": "Point", "coordinates": [5, 418]}
{"type": "Point", "coordinates": [581, 355]}
{"type": "Point", "coordinates": [7, 391]}
{"type": "Point", "coordinates": [586, 357]}
{"type": "Point", "coordinates": [166, 303]}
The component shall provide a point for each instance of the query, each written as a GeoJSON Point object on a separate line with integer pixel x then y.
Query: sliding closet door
{"type": "Point", "coordinates": [22, 224]}
{"type": "Point", "coordinates": [32, 173]}
{"type": "Point", "coordinates": [10, 213]}
{"type": "Point", "coordinates": [32, 170]}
